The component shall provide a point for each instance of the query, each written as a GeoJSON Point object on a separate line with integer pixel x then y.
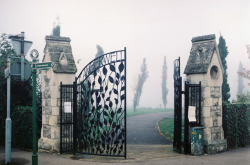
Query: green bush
{"type": "Point", "coordinates": [22, 127]}
{"type": "Point", "coordinates": [236, 121]}
{"type": "Point", "coordinates": [22, 131]}
{"type": "Point", "coordinates": [20, 102]}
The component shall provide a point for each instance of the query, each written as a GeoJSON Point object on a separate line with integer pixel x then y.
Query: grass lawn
{"type": "Point", "coordinates": [140, 111]}
{"type": "Point", "coordinates": [167, 128]}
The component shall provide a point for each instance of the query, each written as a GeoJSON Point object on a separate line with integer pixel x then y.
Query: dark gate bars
{"type": "Point", "coordinates": [192, 98]}
{"type": "Point", "coordinates": [66, 119]}
{"type": "Point", "coordinates": [177, 142]}
{"type": "Point", "coordinates": [102, 110]}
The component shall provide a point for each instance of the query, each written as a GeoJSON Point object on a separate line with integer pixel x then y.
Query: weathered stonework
{"type": "Point", "coordinates": [57, 50]}
{"type": "Point", "coordinates": [46, 130]}
{"type": "Point", "coordinates": [214, 147]}
{"type": "Point", "coordinates": [204, 65]}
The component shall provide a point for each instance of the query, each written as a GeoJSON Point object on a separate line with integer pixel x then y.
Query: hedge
{"type": "Point", "coordinates": [236, 124]}
{"type": "Point", "coordinates": [22, 133]}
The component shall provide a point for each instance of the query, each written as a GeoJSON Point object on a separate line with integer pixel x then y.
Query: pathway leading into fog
{"type": "Point", "coordinates": [143, 129]}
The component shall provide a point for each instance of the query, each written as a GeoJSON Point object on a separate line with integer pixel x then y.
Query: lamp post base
{"type": "Point", "coordinates": [8, 141]}
{"type": "Point", "coordinates": [34, 159]}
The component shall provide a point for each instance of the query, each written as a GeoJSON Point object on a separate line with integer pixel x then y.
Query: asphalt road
{"type": "Point", "coordinates": [143, 129]}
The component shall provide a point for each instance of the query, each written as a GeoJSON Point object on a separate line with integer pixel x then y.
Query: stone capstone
{"type": "Point", "coordinates": [58, 47]}
{"type": "Point", "coordinates": [203, 48]}
{"type": "Point", "coordinates": [57, 39]}
{"type": "Point", "coordinates": [200, 57]}
{"type": "Point", "coordinates": [203, 38]}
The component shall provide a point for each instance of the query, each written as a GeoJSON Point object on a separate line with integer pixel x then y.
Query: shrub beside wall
{"type": "Point", "coordinates": [236, 124]}
{"type": "Point", "coordinates": [22, 131]}
{"type": "Point", "coordinates": [22, 127]}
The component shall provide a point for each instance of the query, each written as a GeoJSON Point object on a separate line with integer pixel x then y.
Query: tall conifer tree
{"type": "Point", "coordinates": [223, 54]}
{"type": "Point", "coordinates": [240, 80]}
{"type": "Point", "coordinates": [143, 76]}
{"type": "Point", "coordinates": [164, 83]}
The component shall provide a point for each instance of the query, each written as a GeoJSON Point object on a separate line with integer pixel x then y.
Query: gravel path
{"type": "Point", "coordinates": [143, 129]}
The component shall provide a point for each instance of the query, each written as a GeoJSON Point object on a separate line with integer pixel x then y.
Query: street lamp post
{"type": "Point", "coordinates": [21, 47]}
{"type": "Point", "coordinates": [8, 119]}
{"type": "Point", "coordinates": [34, 55]}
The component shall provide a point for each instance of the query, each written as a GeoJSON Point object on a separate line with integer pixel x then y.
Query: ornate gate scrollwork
{"type": "Point", "coordinates": [100, 120]}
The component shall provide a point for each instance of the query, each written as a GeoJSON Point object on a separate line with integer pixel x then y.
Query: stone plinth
{"type": "Point", "coordinates": [204, 65]}
{"type": "Point", "coordinates": [57, 50]}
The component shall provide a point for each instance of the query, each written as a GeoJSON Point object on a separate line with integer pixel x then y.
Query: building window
{"type": "Point", "coordinates": [214, 72]}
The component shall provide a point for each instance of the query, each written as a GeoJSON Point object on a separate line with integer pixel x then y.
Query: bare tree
{"type": "Point", "coordinates": [141, 80]}
{"type": "Point", "coordinates": [164, 83]}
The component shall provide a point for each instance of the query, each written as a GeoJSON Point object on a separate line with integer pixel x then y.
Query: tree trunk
{"type": "Point", "coordinates": [134, 109]}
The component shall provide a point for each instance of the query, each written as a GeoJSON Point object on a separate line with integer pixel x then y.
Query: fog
{"type": "Point", "coordinates": [147, 28]}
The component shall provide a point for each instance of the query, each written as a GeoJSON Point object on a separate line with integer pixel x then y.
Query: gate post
{"type": "Point", "coordinates": [60, 117]}
{"type": "Point", "coordinates": [204, 64]}
{"type": "Point", "coordinates": [74, 115]}
{"type": "Point", "coordinates": [186, 121]}
{"type": "Point", "coordinates": [125, 103]}
{"type": "Point", "coordinates": [57, 50]}
{"type": "Point", "coordinates": [177, 142]}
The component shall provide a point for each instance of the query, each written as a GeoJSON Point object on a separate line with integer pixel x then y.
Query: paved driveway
{"type": "Point", "coordinates": [143, 129]}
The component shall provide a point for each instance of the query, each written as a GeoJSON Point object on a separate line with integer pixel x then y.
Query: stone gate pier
{"type": "Point", "coordinates": [58, 50]}
{"type": "Point", "coordinates": [204, 65]}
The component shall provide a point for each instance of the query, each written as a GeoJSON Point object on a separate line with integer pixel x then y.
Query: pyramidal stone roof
{"type": "Point", "coordinates": [60, 52]}
{"type": "Point", "coordinates": [201, 54]}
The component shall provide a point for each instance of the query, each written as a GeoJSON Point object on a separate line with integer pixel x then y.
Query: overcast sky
{"type": "Point", "coordinates": [148, 28]}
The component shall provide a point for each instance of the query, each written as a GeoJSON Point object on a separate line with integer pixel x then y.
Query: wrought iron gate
{"type": "Point", "coordinates": [99, 107]}
{"type": "Point", "coordinates": [177, 142]}
{"type": "Point", "coordinates": [66, 118]}
{"type": "Point", "coordinates": [192, 98]}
